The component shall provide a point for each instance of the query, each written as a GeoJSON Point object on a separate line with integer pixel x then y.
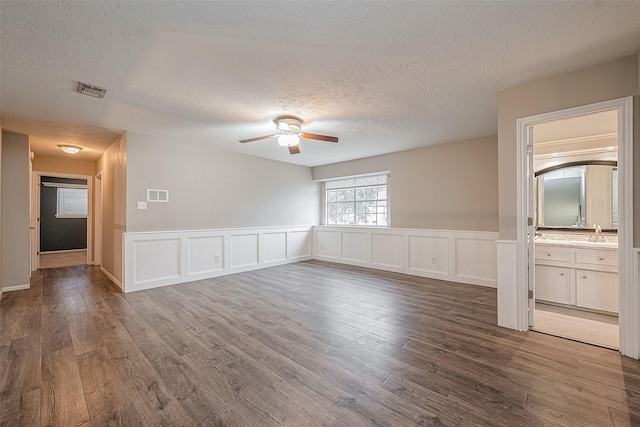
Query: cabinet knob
{"type": "Point", "coordinates": [584, 277]}
{"type": "Point", "coordinates": [601, 259]}
{"type": "Point", "coordinates": [548, 254]}
{"type": "Point", "coordinates": [562, 274]}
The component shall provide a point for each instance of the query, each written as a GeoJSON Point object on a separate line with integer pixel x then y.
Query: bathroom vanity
{"type": "Point", "coordinates": [577, 273]}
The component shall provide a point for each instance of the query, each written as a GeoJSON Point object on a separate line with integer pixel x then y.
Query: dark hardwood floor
{"type": "Point", "coordinates": [304, 344]}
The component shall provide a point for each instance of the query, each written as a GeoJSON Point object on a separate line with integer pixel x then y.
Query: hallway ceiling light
{"type": "Point", "coordinates": [70, 149]}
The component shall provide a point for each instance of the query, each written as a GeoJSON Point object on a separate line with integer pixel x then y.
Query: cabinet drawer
{"type": "Point", "coordinates": [597, 290]}
{"type": "Point", "coordinates": [553, 254]}
{"type": "Point", "coordinates": [552, 284]}
{"type": "Point", "coordinates": [596, 257]}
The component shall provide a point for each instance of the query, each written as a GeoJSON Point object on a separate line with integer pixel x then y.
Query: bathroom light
{"type": "Point", "coordinates": [288, 140]}
{"type": "Point", "coordinates": [70, 149]}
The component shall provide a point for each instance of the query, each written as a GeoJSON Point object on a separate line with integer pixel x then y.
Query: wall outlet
{"type": "Point", "coordinates": [142, 205]}
{"type": "Point", "coordinates": [433, 260]}
{"type": "Point", "coordinates": [217, 258]}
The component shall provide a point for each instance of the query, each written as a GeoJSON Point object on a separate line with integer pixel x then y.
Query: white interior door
{"type": "Point", "coordinates": [531, 224]}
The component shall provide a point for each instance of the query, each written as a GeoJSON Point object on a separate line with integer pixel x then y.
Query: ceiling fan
{"type": "Point", "coordinates": [289, 127]}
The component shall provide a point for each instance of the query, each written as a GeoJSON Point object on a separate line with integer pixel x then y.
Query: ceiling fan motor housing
{"type": "Point", "coordinates": [288, 124]}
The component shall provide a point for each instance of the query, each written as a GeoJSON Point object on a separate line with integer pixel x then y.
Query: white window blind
{"type": "Point", "coordinates": [72, 203]}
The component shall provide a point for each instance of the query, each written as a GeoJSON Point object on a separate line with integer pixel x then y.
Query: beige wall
{"type": "Point", "coordinates": [604, 82]}
{"type": "Point", "coordinates": [210, 188]}
{"type": "Point", "coordinates": [71, 166]}
{"type": "Point", "coordinates": [0, 213]}
{"type": "Point", "coordinates": [16, 255]}
{"type": "Point", "coordinates": [451, 186]}
{"type": "Point", "coordinates": [113, 164]}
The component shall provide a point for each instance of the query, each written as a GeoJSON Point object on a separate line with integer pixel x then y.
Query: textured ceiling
{"type": "Point", "coordinates": [382, 76]}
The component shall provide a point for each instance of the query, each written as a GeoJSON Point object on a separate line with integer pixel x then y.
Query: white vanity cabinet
{"type": "Point", "coordinates": [597, 290]}
{"type": "Point", "coordinates": [575, 273]}
{"type": "Point", "coordinates": [553, 284]}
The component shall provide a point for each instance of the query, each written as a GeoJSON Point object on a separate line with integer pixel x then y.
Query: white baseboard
{"type": "Point", "coordinates": [154, 259]}
{"type": "Point", "coordinates": [16, 288]}
{"type": "Point", "coordinates": [453, 255]}
{"type": "Point", "coordinates": [111, 277]}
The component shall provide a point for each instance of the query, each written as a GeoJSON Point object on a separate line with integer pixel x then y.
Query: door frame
{"type": "Point", "coordinates": [97, 214]}
{"type": "Point", "coordinates": [627, 268]}
{"type": "Point", "coordinates": [35, 213]}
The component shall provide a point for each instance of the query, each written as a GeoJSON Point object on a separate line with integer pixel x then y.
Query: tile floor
{"type": "Point", "coordinates": [592, 328]}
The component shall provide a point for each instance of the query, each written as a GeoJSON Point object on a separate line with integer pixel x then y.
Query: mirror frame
{"type": "Point", "coordinates": [568, 165]}
{"type": "Point", "coordinates": [577, 163]}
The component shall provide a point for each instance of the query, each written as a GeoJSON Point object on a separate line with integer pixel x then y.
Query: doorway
{"type": "Point", "coordinates": [575, 212]}
{"type": "Point", "coordinates": [62, 220]}
{"type": "Point", "coordinates": [578, 283]}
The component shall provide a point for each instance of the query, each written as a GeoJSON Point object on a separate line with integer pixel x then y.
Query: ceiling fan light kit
{"type": "Point", "coordinates": [290, 129]}
{"type": "Point", "coordinates": [288, 140]}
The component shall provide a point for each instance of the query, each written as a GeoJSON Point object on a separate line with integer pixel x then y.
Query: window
{"type": "Point", "coordinates": [358, 201]}
{"type": "Point", "coordinates": [72, 202]}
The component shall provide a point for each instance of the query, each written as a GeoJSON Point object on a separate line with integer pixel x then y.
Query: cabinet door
{"type": "Point", "coordinates": [597, 290]}
{"type": "Point", "coordinates": [552, 284]}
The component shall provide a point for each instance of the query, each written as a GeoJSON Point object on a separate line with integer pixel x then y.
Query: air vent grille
{"type": "Point", "coordinates": [87, 89]}
{"type": "Point", "coordinates": [157, 195]}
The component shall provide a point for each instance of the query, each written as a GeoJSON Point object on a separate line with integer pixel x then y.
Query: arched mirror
{"type": "Point", "coordinates": [578, 195]}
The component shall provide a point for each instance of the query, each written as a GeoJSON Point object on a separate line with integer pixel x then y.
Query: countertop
{"type": "Point", "coordinates": [612, 246]}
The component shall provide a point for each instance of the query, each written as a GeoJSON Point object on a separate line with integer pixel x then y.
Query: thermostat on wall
{"type": "Point", "coordinates": [157, 195]}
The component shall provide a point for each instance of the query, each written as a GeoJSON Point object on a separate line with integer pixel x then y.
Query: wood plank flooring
{"type": "Point", "coordinates": [305, 344]}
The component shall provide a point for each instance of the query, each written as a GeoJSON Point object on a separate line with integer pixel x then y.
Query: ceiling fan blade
{"type": "Point", "coordinates": [257, 139]}
{"type": "Point", "coordinates": [294, 149]}
{"type": "Point", "coordinates": [319, 137]}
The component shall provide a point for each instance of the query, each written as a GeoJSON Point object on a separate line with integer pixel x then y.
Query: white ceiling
{"type": "Point", "coordinates": [382, 76]}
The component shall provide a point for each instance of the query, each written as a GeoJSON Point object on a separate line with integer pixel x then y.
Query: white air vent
{"type": "Point", "coordinates": [91, 90]}
{"type": "Point", "coordinates": [157, 195]}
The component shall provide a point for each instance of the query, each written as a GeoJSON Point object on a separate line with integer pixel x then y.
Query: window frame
{"type": "Point", "coordinates": [60, 186]}
{"type": "Point", "coordinates": [325, 204]}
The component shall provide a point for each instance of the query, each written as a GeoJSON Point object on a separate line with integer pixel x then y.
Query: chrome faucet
{"type": "Point", "coordinates": [597, 237]}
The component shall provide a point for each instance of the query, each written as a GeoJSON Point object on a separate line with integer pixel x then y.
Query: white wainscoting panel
{"type": "Point", "coordinates": [205, 254]}
{"type": "Point", "coordinates": [354, 247]}
{"type": "Point", "coordinates": [387, 251]}
{"type": "Point", "coordinates": [159, 260]}
{"type": "Point", "coordinates": [472, 266]}
{"type": "Point", "coordinates": [154, 259]}
{"type": "Point", "coordinates": [507, 253]}
{"type": "Point", "coordinates": [275, 247]}
{"type": "Point", "coordinates": [326, 244]}
{"type": "Point", "coordinates": [429, 255]}
{"type": "Point", "coordinates": [300, 244]}
{"type": "Point", "coordinates": [245, 250]}
{"type": "Point", "coordinates": [459, 256]}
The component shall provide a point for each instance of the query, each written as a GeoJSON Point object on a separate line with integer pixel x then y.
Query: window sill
{"type": "Point", "coordinates": [71, 216]}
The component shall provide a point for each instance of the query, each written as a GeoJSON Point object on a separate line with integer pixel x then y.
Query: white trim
{"type": "Point", "coordinates": [15, 288]}
{"type": "Point", "coordinates": [111, 277]}
{"type": "Point", "coordinates": [97, 215]}
{"type": "Point", "coordinates": [629, 295]}
{"type": "Point", "coordinates": [64, 185]}
{"type": "Point", "coordinates": [577, 139]}
{"type": "Point", "coordinates": [453, 255]}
